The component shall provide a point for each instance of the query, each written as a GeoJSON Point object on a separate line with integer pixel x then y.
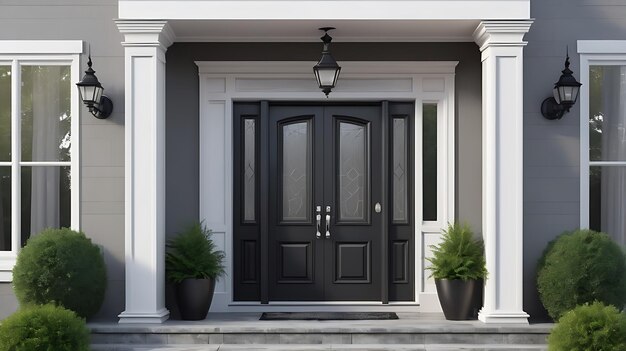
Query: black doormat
{"type": "Point", "coordinates": [327, 316]}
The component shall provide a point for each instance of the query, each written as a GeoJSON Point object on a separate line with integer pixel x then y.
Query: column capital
{"type": "Point", "coordinates": [146, 33]}
{"type": "Point", "coordinates": [501, 33]}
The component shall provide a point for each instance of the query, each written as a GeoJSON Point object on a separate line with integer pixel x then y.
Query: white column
{"type": "Point", "coordinates": [144, 47]}
{"type": "Point", "coordinates": [501, 44]}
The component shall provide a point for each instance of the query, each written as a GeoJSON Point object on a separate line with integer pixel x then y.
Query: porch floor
{"type": "Point", "coordinates": [232, 331]}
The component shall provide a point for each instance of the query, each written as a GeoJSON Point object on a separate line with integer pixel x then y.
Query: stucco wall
{"type": "Point", "coordinates": [102, 141]}
{"type": "Point", "coordinates": [551, 148]}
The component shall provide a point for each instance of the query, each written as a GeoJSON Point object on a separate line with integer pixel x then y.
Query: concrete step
{"type": "Point", "coordinates": [325, 347]}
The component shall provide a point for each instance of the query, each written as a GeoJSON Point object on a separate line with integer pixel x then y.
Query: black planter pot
{"type": "Point", "coordinates": [194, 298]}
{"type": "Point", "coordinates": [460, 299]}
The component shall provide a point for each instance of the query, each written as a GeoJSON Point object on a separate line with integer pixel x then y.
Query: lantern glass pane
{"type": "Point", "coordinates": [97, 95]}
{"type": "Point", "coordinates": [557, 97]}
{"type": "Point", "coordinates": [326, 77]}
{"type": "Point", "coordinates": [567, 93]}
{"type": "Point", "coordinates": [88, 93]}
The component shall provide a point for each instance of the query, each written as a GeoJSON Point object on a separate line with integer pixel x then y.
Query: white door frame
{"type": "Point", "coordinates": [222, 83]}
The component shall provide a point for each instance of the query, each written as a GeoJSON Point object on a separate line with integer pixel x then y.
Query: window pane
{"type": "Point", "coordinates": [607, 113]}
{"type": "Point", "coordinates": [249, 164]}
{"type": "Point", "coordinates": [45, 199]}
{"type": "Point", "coordinates": [296, 145]}
{"type": "Point", "coordinates": [429, 173]}
{"type": "Point", "coordinates": [607, 201]}
{"type": "Point", "coordinates": [5, 113]}
{"type": "Point", "coordinates": [400, 191]}
{"type": "Point", "coordinates": [353, 172]}
{"type": "Point", "coordinates": [46, 113]}
{"type": "Point", "coordinates": [5, 208]}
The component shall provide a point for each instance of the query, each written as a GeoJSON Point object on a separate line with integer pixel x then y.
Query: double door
{"type": "Point", "coordinates": [325, 195]}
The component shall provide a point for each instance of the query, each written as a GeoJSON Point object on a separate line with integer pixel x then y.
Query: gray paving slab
{"type": "Point", "coordinates": [228, 323]}
{"type": "Point", "coordinates": [328, 347]}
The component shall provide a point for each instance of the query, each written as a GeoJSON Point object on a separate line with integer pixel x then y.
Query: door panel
{"type": "Point", "coordinates": [351, 184]}
{"type": "Point", "coordinates": [295, 254]}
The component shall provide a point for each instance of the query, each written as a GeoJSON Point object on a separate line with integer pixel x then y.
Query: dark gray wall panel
{"type": "Point", "coordinates": [551, 148]}
{"type": "Point", "coordinates": [182, 109]}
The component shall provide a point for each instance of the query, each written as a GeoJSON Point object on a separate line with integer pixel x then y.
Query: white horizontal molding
{"type": "Point", "coordinates": [324, 9]}
{"type": "Point", "coordinates": [7, 261]}
{"type": "Point", "coordinates": [602, 46]}
{"type": "Point", "coordinates": [306, 67]}
{"type": "Point", "coordinates": [41, 46]}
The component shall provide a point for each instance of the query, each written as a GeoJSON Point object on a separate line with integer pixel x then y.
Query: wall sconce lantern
{"type": "Point", "coordinates": [565, 95]}
{"type": "Point", "coordinates": [326, 70]}
{"type": "Point", "coordinates": [91, 93]}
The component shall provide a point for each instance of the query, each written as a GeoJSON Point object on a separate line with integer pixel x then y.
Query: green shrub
{"type": "Point", "coordinates": [581, 267]}
{"type": "Point", "coordinates": [192, 254]}
{"type": "Point", "coordinates": [594, 327]}
{"type": "Point", "coordinates": [44, 328]}
{"type": "Point", "coordinates": [63, 267]}
{"type": "Point", "coordinates": [459, 256]}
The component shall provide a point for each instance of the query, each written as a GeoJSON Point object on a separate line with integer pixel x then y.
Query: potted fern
{"type": "Point", "coordinates": [193, 264]}
{"type": "Point", "coordinates": [458, 266]}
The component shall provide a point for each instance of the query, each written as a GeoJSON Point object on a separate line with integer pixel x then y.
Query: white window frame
{"type": "Point", "coordinates": [17, 53]}
{"type": "Point", "coordinates": [593, 53]}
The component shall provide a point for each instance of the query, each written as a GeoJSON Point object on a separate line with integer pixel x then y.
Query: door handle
{"type": "Point", "coordinates": [327, 222]}
{"type": "Point", "coordinates": [319, 220]}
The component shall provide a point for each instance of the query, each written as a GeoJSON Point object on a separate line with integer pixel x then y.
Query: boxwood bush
{"type": "Point", "coordinates": [44, 328]}
{"type": "Point", "coordinates": [581, 267]}
{"type": "Point", "coordinates": [594, 327]}
{"type": "Point", "coordinates": [63, 267]}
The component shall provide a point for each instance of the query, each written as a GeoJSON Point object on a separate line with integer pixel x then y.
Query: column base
{"type": "Point", "coordinates": [157, 317]}
{"type": "Point", "coordinates": [503, 317]}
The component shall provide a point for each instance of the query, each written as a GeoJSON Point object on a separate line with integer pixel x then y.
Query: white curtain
{"type": "Point", "coordinates": [44, 211]}
{"type": "Point", "coordinates": [613, 190]}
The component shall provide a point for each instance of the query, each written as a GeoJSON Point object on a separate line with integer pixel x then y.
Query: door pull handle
{"type": "Point", "coordinates": [319, 220]}
{"type": "Point", "coordinates": [327, 222]}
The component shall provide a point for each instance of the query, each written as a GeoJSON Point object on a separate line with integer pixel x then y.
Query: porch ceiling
{"type": "Point", "coordinates": [306, 31]}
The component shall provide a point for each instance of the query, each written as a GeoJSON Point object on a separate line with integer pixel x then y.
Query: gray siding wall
{"type": "Point", "coordinates": [551, 148]}
{"type": "Point", "coordinates": [102, 142]}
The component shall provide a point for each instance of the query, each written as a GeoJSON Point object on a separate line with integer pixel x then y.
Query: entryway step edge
{"type": "Point", "coordinates": [326, 347]}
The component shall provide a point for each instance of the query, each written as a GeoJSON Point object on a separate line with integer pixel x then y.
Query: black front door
{"type": "Point", "coordinates": [325, 178]}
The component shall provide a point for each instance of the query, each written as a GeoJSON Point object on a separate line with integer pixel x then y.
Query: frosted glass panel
{"type": "Point", "coordinates": [353, 157]}
{"type": "Point", "coordinates": [607, 113]}
{"type": "Point", "coordinates": [46, 113]}
{"type": "Point", "coordinates": [249, 164]}
{"type": "Point", "coordinates": [296, 192]}
{"type": "Point", "coordinates": [5, 113]}
{"type": "Point", "coordinates": [430, 162]}
{"type": "Point", "coordinates": [400, 192]}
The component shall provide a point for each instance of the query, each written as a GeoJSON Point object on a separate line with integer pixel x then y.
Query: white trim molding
{"type": "Point", "coordinates": [323, 10]}
{"type": "Point", "coordinates": [222, 83]}
{"type": "Point", "coordinates": [602, 53]}
{"type": "Point", "coordinates": [501, 44]}
{"type": "Point", "coordinates": [19, 53]}
{"type": "Point", "coordinates": [144, 60]}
